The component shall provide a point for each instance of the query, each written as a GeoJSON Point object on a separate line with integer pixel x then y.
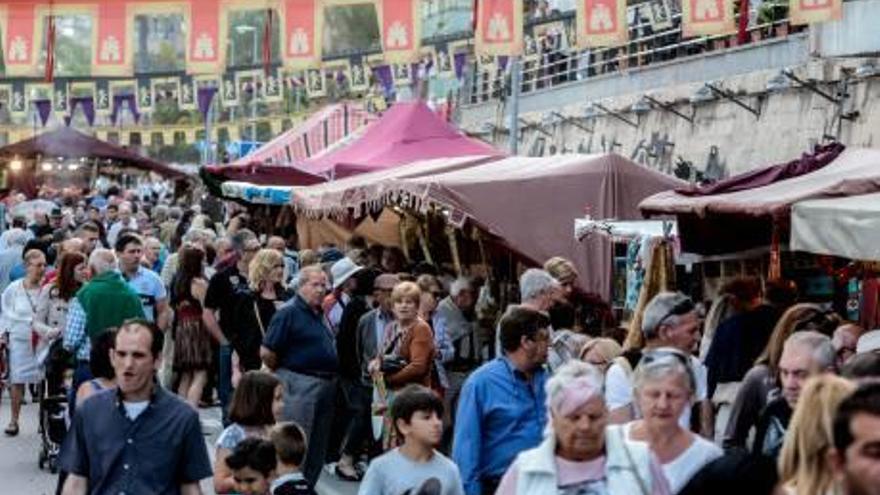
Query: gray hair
{"type": "Point", "coordinates": [102, 261]}
{"type": "Point", "coordinates": [175, 213]}
{"type": "Point", "coordinates": [661, 363]}
{"type": "Point", "coordinates": [820, 347]}
{"type": "Point", "coordinates": [459, 285]}
{"type": "Point", "coordinates": [303, 276]}
{"type": "Point", "coordinates": [659, 310]}
{"type": "Point", "coordinates": [565, 375]}
{"type": "Point", "coordinates": [240, 238]}
{"type": "Point", "coordinates": [534, 282]}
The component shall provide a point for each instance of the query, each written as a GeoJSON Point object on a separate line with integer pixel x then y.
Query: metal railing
{"type": "Point", "coordinates": [556, 66]}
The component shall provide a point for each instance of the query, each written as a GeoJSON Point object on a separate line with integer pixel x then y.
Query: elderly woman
{"type": "Point", "coordinates": [664, 387]}
{"type": "Point", "coordinates": [580, 452]}
{"type": "Point", "coordinates": [600, 352]}
{"type": "Point", "coordinates": [21, 332]}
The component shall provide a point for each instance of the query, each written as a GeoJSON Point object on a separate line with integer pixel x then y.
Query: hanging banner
{"type": "Point", "coordinates": [229, 93]}
{"type": "Point", "coordinates": [499, 27]}
{"type": "Point", "coordinates": [186, 97]}
{"type": "Point", "coordinates": [601, 23]}
{"type": "Point", "coordinates": [707, 17]}
{"type": "Point", "coordinates": [102, 97]}
{"type": "Point", "coordinates": [145, 97]}
{"type": "Point", "coordinates": [272, 89]}
{"type": "Point", "coordinates": [206, 41]}
{"type": "Point", "coordinates": [301, 33]}
{"type": "Point", "coordinates": [400, 29]}
{"type": "Point", "coordinates": [61, 98]}
{"type": "Point", "coordinates": [810, 11]}
{"type": "Point", "coordinates": [111, 51]}
{"type": "Point", "coordinates": [22, 31]}
{"type": "Point", "coordinates": [315, 87]}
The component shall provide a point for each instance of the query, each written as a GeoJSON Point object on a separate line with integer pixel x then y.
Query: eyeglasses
{"type": "Point", "coordinates": [684, 307]}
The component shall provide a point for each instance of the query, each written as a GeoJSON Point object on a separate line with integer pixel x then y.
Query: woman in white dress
{"type": "Point", "coordinates": [664, 386]}
{"type": "Point", "coordinates": [19, 305]}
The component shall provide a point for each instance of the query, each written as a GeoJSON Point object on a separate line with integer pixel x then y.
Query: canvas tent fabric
{"type": "Point", "coordinates": [847, 227]}
{"type": "Point", "coordinates": [527, 202]}
{"type": "Point", "coordinates": [315, 134]}
{"type": "Point", "coordinates": [407, 132]}
{"type": "Point", "coordinates": [70, 143]}
{"type": "Point", "coordinates": [742, 220]}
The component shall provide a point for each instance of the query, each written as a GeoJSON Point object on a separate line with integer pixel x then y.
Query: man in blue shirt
{"type": "Point", "coordinates": [502, 409]}
{"type": "Point", "coordinates": [148, 285]}
{"type": "Point", "coordinates": [301, 349]}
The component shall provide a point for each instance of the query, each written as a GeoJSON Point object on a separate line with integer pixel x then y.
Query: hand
{"type": "Point", "coordinates": [374, 367]}
{"type": "Point", "coordinates": [53, 334]}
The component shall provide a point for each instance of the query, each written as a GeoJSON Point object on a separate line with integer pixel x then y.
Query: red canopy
{"type": "Point", "coordinates": [406, 133]}
{"type": "Point", "coordinates": [69, 143]}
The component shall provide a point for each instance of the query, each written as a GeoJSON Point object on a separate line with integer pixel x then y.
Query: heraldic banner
{"type": "Point", "coordinates": [601, 23]}
{"type": "Point", "coordinates": [111, 53]}
{"type": "Point", "coordinates": [499, 27]}
{"type": "Point", "coordinates": [206, 42]}
{"type": "Point", "coordinates": [810, 11]}
{"type": "Point", "coordinates": [301, 33]}
{"type": "Point", "coordinates": [401, 30]}
{"type": "Point", "coordinates": [707, 17]}
{"type": "Point", "coordinates": [21, 39]}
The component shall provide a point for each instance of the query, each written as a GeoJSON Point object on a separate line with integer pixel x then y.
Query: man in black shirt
{"type": "Point", "coordinates": [224, 289]}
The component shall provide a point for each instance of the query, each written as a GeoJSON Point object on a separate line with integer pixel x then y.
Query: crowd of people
{"type": "Point", "coordinates": [351, 362]}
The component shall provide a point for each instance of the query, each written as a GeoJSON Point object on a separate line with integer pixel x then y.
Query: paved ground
{"type": "Point", "coordinates": [21, 475]}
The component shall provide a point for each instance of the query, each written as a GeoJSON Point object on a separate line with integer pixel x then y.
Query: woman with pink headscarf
{"type": "Point", "coordinates": [580, 452]}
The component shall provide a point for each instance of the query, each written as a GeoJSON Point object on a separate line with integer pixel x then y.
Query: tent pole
{"type": "Point", "coordinates": [514, 104]}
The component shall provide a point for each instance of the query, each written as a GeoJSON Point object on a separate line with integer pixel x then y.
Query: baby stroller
{"type": "Point", "coordinates": [53, 403]}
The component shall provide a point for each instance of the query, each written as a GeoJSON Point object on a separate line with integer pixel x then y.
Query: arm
{"type": "Point", "coordinates": [618, 395]}
{"type": "Point", "coordinates": [444, 343]}
{"type": "Point", "coordinates": [745, 411]}
{"type": "Point", "coordinates": [213, 327]}
{"type": "Point", "coordinates": [75, 485]}
{"type": "Point", "coordinates": [223, 480]}
{"type": "Point", "coordinates": [83, 392]}
{"type": "Point", "coordinates": [75, 331]}
{"type": "Point", "coordinates": [707, 420]}
{"type": "Point", "coordinates": [270, 359]}
{"type": "Point", "coordinates": [421, 352]}
{"type": "Point", "coordinates": [163, 314]}
{"type": "Point", "coordinates": [190, 489]}
{"type": "Point", "coordinates": [467, 439]}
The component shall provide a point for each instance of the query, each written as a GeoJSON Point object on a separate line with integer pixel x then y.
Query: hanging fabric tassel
{"type": "Point", "coordinates": [423, 241]}
{"type": "Point", "coordinates": [453, 248]}
{"type": "Point", "coordinates": [775, 269]}
{"type": "Point", "coordinates": [404, 241]}
{"type": "Point", "coordinates": [50, 48]}
{"type": "Point", "coordinates": [267, 41]}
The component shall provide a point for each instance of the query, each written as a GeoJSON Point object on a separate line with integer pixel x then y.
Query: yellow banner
{"type": "Point", "coordinates": [810, 11]}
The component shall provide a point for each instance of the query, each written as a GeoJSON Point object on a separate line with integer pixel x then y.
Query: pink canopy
{"type": "Point", "coordinates": [406, 133]}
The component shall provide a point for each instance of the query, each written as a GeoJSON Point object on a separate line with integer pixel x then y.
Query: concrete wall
{"type": "Point", "coordinates": [723, 139]}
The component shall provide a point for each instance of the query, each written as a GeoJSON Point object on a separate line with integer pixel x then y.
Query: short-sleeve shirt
{"type": "Point", "coordinates": [393, 473]}
{"type": "Point", "coordinates": [150, 288]}
{"type": "Point", "coordinates": [301, 338]}
{"type": "Point", "coordinates": [224, 291]}
{"type": "Point", "coordinates": [156, 453]}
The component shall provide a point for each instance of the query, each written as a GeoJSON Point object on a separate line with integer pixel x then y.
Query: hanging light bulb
{"type": "Point", "coordinates": [46, 166]}
{"type": "Point", "coordinates": [15, 165]}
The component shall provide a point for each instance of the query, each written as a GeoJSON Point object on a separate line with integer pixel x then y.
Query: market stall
{"type": "Point", "coordinates": [848, 227]}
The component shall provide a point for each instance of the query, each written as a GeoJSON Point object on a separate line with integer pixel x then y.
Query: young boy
{"type": "Point", "coordinates": [414, 467]}
{"type": "Point", "coordinates": [253, 464]}
{"type": "Point", "coordinates": [290, 448]}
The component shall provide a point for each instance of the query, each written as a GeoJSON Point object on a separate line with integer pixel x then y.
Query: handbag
{"type": "Point", "coordinates": [392, 363]}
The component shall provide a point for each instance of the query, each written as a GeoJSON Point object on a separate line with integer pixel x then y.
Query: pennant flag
{"type": "Point", "coordinates": [601, 23]}
{"type": "Point", "coordinates": [707, 17]}
{"type": "Point", "coordinates": [301, 33]}
{"type": "Point", "coordinates": [21, 40]}
{"type": "Point", "coordinates": [206, 43]}
{"type": "Point", "coordinates": [499, 27]}
{"type": "Point", "coordinates": [401, 30]}
{"type": "Point", "coordinates": [810, 11]}
{"type": "Point", "coordinates": [111, 52]}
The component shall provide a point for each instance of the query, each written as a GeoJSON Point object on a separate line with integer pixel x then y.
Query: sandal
{"type": "Point", "coordinates": [11, 430]}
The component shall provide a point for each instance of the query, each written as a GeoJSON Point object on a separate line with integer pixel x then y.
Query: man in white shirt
{"type": "Point", "coordinates": [125, 220]}
{"type": "Point", "coordinates": [670, 320]}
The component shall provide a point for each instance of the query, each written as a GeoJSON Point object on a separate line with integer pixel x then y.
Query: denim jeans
{"type": "Point", "coordinates": [224, 381]}
{"type": "Point", "coordinates": [81, 374]}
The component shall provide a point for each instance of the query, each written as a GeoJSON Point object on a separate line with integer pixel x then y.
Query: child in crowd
{"type": "Point", "coordinates": [415, 466]}
{"type": "Point", "coordinates": [253, 464]}
{"type": "Point", "coordinates": [290, 449]}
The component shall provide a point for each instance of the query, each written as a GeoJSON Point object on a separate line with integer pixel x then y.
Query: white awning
{"type": "Point", "coordinates": [848, 227]}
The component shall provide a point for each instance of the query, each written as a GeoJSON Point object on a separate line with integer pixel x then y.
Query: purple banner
{"type": "Point", "coordinates": [44, 108]}
{"type": "Point", "coordinates": [502, 62]}
{"type": "Point", "coordinates": [88, 106]}
{"type": "Point", "coordinates": [117, 105]}
{"type": "Point", "coordinates": [383, 74]}
{"type": "Point", "coordinates": [460, 60]}
{"type": "Point", "coordinates": [205, 97]}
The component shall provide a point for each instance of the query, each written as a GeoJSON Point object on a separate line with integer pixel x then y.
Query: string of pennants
{"type": "Point", "coordinates": [498, 29]}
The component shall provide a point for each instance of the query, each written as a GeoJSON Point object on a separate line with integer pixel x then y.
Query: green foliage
{"type": "Point", "coordinates": [351, 28]}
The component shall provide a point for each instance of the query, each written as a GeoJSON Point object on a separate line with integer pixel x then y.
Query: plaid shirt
{"type": "Point", "coordinates": [75, 338]}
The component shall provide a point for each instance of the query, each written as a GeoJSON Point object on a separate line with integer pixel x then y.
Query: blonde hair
{"type": "Point", "coordinates": [308, 257]}
{"type": "Point", "coordinates": [561, 269]}
{"type": "Point", "coordinates": [406, 290]}
{"type": "Point", "coordinates": [802, 462]}
{"type": "Point", "coordinates": [609, 349]}
{"type": "Point", "coordinates": [802, 316]}
{"type": "Point", "coordinates": [261, 266]}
